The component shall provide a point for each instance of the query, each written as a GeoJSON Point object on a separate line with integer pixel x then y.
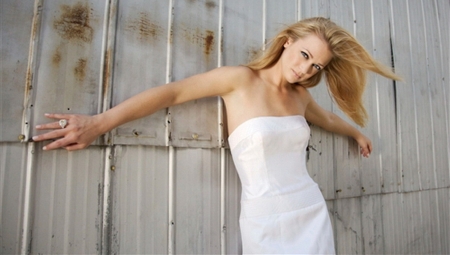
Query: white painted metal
{"type": "Point", "coordinates": [66, 201]}
{"type": "Point", "coordinates": [140, 58]}
{"type": "Point", "coordinates": [15, 28]}
{"type": "Point", "coordinates": [195, 30]}
{"type": "Point", "coordinates": [13, 174]}
{"type": "Point", "coordinates": [68, 59]}
{"type": "Point", "coordinates": [197, 201]}
{"type": "Point", "coordinates": [175, 199]}
{"type": "Point", "coordinates": [139, 200]}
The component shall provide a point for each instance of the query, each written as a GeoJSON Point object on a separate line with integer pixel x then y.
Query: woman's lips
{"type": "Point", "coordinates": [296, 74]}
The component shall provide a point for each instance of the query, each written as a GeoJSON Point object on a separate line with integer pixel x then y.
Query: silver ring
{"type": "Point", "coordinates": [62, 123]}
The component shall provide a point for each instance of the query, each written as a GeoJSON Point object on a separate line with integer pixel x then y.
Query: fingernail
{"type": "Point", "coordinates": [44, 148]}
{"type": "Point", "coordinates": [34, 138]}
{"type": "Point", "coordinates": [38, 126]}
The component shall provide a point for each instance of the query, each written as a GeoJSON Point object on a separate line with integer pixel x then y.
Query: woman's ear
{"type": "Point", "coordinates": [288, 42]}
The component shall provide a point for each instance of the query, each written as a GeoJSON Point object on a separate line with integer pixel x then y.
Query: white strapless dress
{"type": "Point", "coordinates": [282, 208]}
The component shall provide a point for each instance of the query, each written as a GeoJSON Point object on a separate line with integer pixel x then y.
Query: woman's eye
{"type": "Point", "coordinates": [317, 67]}
{"type": "Point", "coordinates": [305, 55]}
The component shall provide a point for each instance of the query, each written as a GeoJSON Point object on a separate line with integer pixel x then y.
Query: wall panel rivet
{"type": "Point", "coordinates": [21, 137]}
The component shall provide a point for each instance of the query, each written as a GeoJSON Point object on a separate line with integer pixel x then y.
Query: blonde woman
{"type": "Point", "coordinates": [282, 208]}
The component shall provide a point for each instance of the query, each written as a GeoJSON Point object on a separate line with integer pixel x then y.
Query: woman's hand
{"type": "Point", "coordinates": [79, 133]}
{"type": "Point", "coordinates": [365, 144]}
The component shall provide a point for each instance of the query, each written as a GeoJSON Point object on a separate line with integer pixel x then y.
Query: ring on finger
{"type": "Point", "coordinates": [63, 123]}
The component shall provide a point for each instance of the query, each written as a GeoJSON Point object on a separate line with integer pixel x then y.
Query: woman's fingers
{"type": "Point", "coordinates": [76, 132]}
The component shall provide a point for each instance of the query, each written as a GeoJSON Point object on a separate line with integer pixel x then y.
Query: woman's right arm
{"type": "Point", "coordinates": [82, 130]}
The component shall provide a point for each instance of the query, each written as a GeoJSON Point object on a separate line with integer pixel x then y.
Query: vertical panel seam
{"type": "Point", "coordinates": [171, 186]}
{"type": "Point", "coordinates": [223, 230]}
{"type": "Point", "coordinates": [31, 66]}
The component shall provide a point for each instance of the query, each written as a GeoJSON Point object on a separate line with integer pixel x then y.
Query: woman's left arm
{"type": "Point", "coordinates": [333, 123]}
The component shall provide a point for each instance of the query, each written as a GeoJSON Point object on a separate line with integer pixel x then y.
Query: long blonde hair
{"type": "Point", "coordinates": [345, 73]}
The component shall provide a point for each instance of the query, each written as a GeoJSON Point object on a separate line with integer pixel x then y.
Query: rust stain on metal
{"type": "Point", "coordinates": [80, 69]}
{"type": "Point", "coordinates": [28, 85]}
{"type": "Point", "coordinates": [210, 4]}
{"type": "Point", "coordinates": [147, 29]}
{"type": "Point", "coordinates": [56, 58]}
{"type": "Point", "coordinates": [73, 24]}
{"type": "Point", "coordinates": [203, 39]}
{"type": "Point", "coordinates": [106, 72]}
{"type": "Point", "coordinates": [209, 41]}
{"type": "Point", "coordinates": [253, 53]}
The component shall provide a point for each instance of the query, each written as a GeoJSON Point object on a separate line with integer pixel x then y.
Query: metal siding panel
{"type": "Point", "coordinates": [394, 232]}
{"type": "Point", "coordinates": [432, 222]}
{"type": "Point", "coordinates": [443, 209]}
{"type": "Point", "coordinates": [233, 207]}
{"type": "Point", "coordinates": [197, 201]}
{"type": "Point", "coordinates": [406, 121]}
{"type": "Point", "coordinates": [417, 233]}
{"type": "Point", "coordinates": [416, 222]}
{"type": "Point", "coordinates": [346, 151]}
{"type": "Point", "coordinates": [15, 28]}
{"type": "Point", "coordinates": [347, 217]}
{"type": "Point", "coordinates": [436, 97]}
{"type": "Point", "coordinates": [240, 17]}
{"type": "Point", "coordinates": [372, 224]}
{"type": "Point", "coordinates": [195, 50]}
{"type": "Point", "coordinates": [67, 202]}
{"type": "Point", "coordinates": [139, 64]}
{"type": "Point", "coordinates": [278, 16]}
{"type": "Point", "coordinates": [139, 223]}
{"type": "Point", "coordinates": [70, 51]}
{"type": "Point", "coordinates": [13, 157]}
{"type": "Point", "coordinates": [443, 21]}
{"type": "Point", "coordinates": [422, 102]}
{"type": "Point", "coordinates": [372, 30]}
{"type": "Point", "coordinates": [316, 8]}
{"type": "Point", "coordinates": [421, 93]}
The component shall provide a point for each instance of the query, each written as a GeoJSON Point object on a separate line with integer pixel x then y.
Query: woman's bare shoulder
{"type": "Point", "coordinates": [238, 71]}
{"type": "Point", "coordinates": [303, 93]}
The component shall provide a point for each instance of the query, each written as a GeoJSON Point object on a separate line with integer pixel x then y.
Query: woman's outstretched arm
{"type": "Point", "coordinates": [82, 130]}
{"type": "Point", "coordinates": [333, 123]}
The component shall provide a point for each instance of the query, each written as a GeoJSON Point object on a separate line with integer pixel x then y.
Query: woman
{"type": "Point", "coordinates": [283, 210]}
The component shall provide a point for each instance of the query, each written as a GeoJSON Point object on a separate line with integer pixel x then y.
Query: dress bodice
{"type": "Point", "coordinates": [269, 154]}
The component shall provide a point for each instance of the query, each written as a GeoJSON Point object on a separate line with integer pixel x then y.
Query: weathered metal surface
{"type": "Point", "coordinates": [194, 43]}
{"type": "Point", "coordinates": [197, 201]}
{"type": "Point", "coordinates": [15, 28]}
{"type": "Point", "coordinates": [12, 188]}
{"type": "Point", "coordinates": [67, 202]}
{"type": "Point", "coordinates": [436, 95]}
{"type": "Point", "coordinates": [147, 199]}
{"type": "Point", "coordinates": [70, 52]}
{"type": "Point", "coordinates": [139, 200]}
{"type": "Point", "coordinates": [411, 222]}
{"type": "Point", "coordinates": [378, 172]}
{"type": "Point", "coordinates": [240, 17]}
{"type": "Point", "coordinates": [232, 208]}
{"type": "Point", "coordinates": [140, 59]}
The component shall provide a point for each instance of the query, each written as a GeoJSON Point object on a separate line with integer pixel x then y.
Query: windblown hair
{"type": "Point", "coordinates": [345, 73]}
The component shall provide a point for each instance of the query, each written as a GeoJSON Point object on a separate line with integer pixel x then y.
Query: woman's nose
{"type": "Point", "coordinates": [305, 68]}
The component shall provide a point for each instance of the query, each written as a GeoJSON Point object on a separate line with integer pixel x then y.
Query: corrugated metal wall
{"type": "Point", "coordinates": [166, 183]}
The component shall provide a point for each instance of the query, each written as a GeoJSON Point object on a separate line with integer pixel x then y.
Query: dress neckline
{"type": "Point", "coordinates": [264, 117]}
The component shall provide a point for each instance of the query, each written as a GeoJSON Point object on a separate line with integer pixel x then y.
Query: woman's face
{"type": "Point", "coordinates": [304, 57]}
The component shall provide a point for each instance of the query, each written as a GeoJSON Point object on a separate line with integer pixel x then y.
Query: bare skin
{"type": "Point", "coordinates": [267, 92]}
